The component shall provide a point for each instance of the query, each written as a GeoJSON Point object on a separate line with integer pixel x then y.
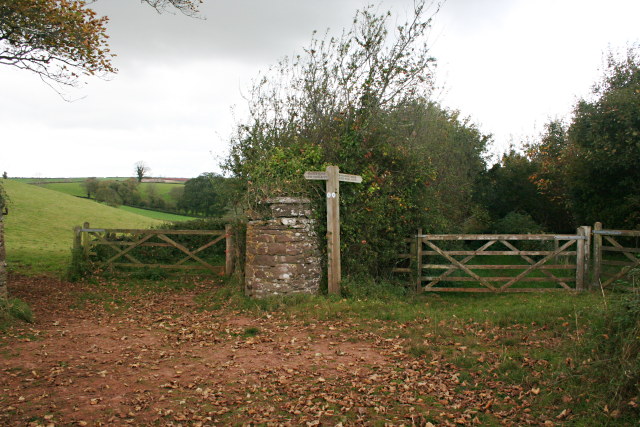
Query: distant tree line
{"type": "Point", "coordinates": [209, 195]}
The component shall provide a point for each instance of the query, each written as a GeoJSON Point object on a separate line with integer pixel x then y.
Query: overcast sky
{"type": "Point", "coordinates": [509, 65]}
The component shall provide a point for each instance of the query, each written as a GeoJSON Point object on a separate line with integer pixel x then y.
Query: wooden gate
{"type": "Point", "coordinates": [616, 254]}
{"type": "Point", "coordinates": [155, 248]}
{"type": "Point", "coordinates": [501, 262]}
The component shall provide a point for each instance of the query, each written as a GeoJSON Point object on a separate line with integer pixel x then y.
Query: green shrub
{"type": "Point", "coordinates": [78, 267]}
{"type": "Point", "coordinates": [619, 347]}
{"type": "Point", "coordinates": [366, 288]}
{"type": "Point", "coordinates": [610, 369]}
{"type": "Point", "coordinates": [516, 223]}
{"type": "Point", "coordinates": [15, 308]}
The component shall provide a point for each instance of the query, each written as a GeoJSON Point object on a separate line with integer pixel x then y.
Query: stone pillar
{"type": "Point", "coordinates": [283, 257]}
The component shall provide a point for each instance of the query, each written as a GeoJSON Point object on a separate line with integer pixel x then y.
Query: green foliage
{"type": "Point", "coordinates": [360, 102]}
{"type": "Point", "coordinates": [162, 216]}
{"type": "Point", "coordinates": [363, 288]}
{"type": "Point", "coordinates": [516, 223]}
{"type": "Point", "coordinates": [512, 186]}
{"type": "Point", "coordinates": [91, 186]}
{"type": "Point", "coordinates": [593, 167]}
{"type": "Point", "coordinates": [605, 139]}
{"type": "Point", "coordinates": [78, 267]}
{"type": "Point", "coordinates": [15, 308]}
{"type": "Point", "coordinates": [610, 355]}
{"type": "Point", "coordinates": [209, 194]}
{"type": "Point", "coordinates": [116, 193]}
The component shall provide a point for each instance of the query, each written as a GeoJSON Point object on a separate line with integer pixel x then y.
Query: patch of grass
{"type": "Point", "coordinates": [251, 331]}
{"type": "Point", "coordinates": [162, 216]}
{"type": "Point", "coordinates": [39, 227]}
{"type": "Point", "coordinates": [418, 350]}
{"type": "Point", "coordinates": [15, 308]}
{"type": "Point", "coordinates": [70, 188]}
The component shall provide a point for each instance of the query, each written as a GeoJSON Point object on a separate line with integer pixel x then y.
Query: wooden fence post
{"type": "Point", "coordinates": [419, 260]}
{"type": "Point", "coordinates": [229, 250]}
{"type": "Point", "coordinates": [77, 239]}
{"type": "Point", "coordinates": [587, 256]}
{"type": "Point", "coordinates": [85, 241]}
{"type": "Point", "coordinates": [597, 256]}
{"type": "Point", "coordinates": [582, 253]}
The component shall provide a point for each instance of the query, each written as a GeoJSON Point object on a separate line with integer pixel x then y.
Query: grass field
{"type": "Point", "coordinates": [73, 186]}
{"type": "Point", "coordinates": [162, 216]}
{"type": "Point", "coordinates": [70, 188]}
{"type": "Point", "coordinates": [39, 226]}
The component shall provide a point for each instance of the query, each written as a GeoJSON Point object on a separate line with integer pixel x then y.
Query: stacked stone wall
{"type": "Point", "coordinates": [283, 257]}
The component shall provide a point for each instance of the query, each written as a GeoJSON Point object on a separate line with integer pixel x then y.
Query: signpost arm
{"type": "Point", "coordinates": [333, 229]}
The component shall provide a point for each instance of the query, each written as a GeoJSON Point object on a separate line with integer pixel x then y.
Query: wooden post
{"type": "Point", "coordinates": [85, 241]}
{"type": "Point", "coordinates": [597, 256]}
{"type": "Point", "coordinates": [587, 256]}
{"type": "Point", "coordinates": [77, 238]}
{"type": "Point", "coordinates": [229, 250]}
{"type": "Point", "coordinates": [333, 177]}
{"type": "Point", "coordinates": [419, 260]}
{"type": "Point", "coordinates": [580, 257]}
{"type": "Point", "coordinates": [333, 230]}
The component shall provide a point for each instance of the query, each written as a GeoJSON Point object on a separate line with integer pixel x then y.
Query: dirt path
{"type": "Point", "coordinates": [156, 359]}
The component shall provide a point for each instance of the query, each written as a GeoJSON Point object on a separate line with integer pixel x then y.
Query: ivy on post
{"type": "Point", "coordinates": [333, 177]}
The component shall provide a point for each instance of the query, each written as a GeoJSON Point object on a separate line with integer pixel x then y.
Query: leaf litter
{"type": "Point", "coordinates": [156, 358]}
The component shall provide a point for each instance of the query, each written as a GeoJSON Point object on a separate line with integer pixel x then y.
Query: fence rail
{"type": "Point", "coordinates": [441, 259]}
{"type": "Point", "coordinates": [130, 248]}
{"type": "Point", "coordinates": [608, 244]}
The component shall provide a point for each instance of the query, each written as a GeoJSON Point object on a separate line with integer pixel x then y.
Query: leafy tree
{"type": "Point", "coordinates": [91, 186]}
{"type": "Point", "coordinates": [512, 186]}
{"type": "Point", "coordinates": [592, 168]}
{"type": "Point", "coordinates": [116, 193]}
{"type": "Point", "coordinates": [4, 175]}
{"type": "Point", "coordinates": [604, 147]}
{"type": "Point", "coordinates": [58, 40]}
{"type": "Point", "coordinates": [176, 193]}
{"type": "Point", "coordinates": [152, 198]}
{"type": "Point", "coordinates": [62, 40]}
{"type": "Point", "coordinates": [208, 194]}
{"type": "Point", "coordinates": [361, 102]}
{"type": "Point", "coordinates": [142, 170]}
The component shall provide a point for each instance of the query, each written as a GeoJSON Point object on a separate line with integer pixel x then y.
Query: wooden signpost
{"type": "Point", "coordinates": [333, 178]}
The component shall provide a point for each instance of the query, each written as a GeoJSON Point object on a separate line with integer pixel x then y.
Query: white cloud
{"type": "Point", "coordinates": [509, 64]}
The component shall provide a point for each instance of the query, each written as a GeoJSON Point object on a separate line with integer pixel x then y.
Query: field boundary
{"type": "Point", "coordinates": [123, 242]}
{"type": "Point", "coordinates": [436, 263]}
{"type": "Point", "coordinates": [609, 244]}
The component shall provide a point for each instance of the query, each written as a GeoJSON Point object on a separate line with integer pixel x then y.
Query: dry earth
{"type": "Point", "coordinates": [159, 360]}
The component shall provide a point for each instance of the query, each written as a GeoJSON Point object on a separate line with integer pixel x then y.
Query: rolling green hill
{"type": "Point", "coordinates": [75, 188]}
{"type": "Point", "coordinates": [39, 226]}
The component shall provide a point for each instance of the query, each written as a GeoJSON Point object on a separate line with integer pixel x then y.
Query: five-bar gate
{"type": "Point", "coordinates": [500, 262]}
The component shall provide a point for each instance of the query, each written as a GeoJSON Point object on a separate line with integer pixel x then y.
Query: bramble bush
{"type": "Point", "coordinates": [361, 102]}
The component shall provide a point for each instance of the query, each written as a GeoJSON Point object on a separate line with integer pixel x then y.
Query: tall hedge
{"type": "Point", "coordinates": [361, 102]}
